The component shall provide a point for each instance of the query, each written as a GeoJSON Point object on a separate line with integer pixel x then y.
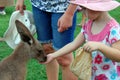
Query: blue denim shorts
{"type": "Point", "coordinates": [47, 29]}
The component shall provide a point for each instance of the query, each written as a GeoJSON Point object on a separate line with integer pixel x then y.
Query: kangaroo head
{"type": "Point", "coordinates": [35, 48]}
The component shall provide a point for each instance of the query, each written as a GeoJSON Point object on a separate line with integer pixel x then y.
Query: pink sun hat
{"type": "Point", "coordinates": [97, 5]}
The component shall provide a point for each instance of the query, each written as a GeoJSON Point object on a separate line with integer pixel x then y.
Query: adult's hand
{"type": "Point", "coordinates": [20, 6]}
{"type": "Point", "coordinates": [64, 22]}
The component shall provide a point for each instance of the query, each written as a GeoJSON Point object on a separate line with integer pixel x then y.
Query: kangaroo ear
{"type": "Point", "coordinates": [24, 32]}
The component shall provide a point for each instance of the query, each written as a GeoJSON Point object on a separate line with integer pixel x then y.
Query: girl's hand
{"type": "Point", "coordinates": [64, 22]}
{"type": "Point", "coordinates": [50, 57]}
{"type": "Point", "coordinates": [91, 46]}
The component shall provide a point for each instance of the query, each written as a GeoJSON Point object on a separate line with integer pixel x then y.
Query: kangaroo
{"type": "Point", "coordinates": [14, 66]}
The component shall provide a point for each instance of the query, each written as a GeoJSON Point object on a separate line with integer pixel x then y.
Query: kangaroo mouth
{"type": "Point", "coordinates": [43, 59]}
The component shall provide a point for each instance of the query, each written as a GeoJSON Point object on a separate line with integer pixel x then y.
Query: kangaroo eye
{"type": "Point", "coordinates": [25, 20]}
{"type": "Point", "coordinates": [39, 53]}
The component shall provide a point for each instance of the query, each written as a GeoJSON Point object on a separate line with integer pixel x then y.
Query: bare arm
{"type": "Point", "coordinates": [79, 40]}
{"type": "Point", "coordinates": [65, 20]}
{"type": "Point", "coordinates": [111, 52]}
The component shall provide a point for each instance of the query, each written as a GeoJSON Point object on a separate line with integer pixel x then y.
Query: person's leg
{"type": "Point", "coordinates": [52, 68]}
{"type": "Point", "coordinates": [44, 35]}
{"type": "Point", "coordinates": [61, 39]}
{"type": "Point", "coordinates": [65, 62]}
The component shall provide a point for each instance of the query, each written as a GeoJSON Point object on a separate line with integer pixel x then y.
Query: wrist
{"type": "Point", "coordinates": [71, 9]}
{"type": "Point", "coordinates": [101, 46]}
{"type": "Point", "coordinates": [54, 55]}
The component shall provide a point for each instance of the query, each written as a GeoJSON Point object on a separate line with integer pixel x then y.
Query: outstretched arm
{"type": "Point", "coordinates": [79, 40]}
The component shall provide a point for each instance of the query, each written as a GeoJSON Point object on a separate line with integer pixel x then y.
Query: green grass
{"type": "Point", "coordinates": [35, 71]}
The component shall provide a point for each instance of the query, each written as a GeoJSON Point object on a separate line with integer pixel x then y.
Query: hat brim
{"type": "Point", "coordinates": [101, 6]}
{"type": "Point", "coordinates": [11, 35]}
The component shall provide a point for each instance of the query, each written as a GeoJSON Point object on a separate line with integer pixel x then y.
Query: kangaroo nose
{"type": "Point", "coordinates": [43, 59]}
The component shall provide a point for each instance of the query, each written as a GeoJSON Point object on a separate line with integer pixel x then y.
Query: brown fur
{"type": "Point", "coordinates": [14, 66]}
{"type": "Point", "coordinates": [48, 48]}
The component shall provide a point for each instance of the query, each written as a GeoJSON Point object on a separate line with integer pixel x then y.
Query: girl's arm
{"type": "Point", "coordinates": [112, 52]}
{"type": "Point", "coordinates": [79, 40]}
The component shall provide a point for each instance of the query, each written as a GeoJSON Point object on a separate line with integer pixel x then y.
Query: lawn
{"type": "Point", "coordinates": [35, 70]}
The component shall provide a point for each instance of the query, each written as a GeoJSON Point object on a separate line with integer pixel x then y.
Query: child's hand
{"type": "Point", "coordinates": [50, 57]}
{"type": "Point", "coordinates": [91, 46]}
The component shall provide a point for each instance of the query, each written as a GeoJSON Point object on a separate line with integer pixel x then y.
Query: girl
{"type": "Point", "coordinates": [101, 34]}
